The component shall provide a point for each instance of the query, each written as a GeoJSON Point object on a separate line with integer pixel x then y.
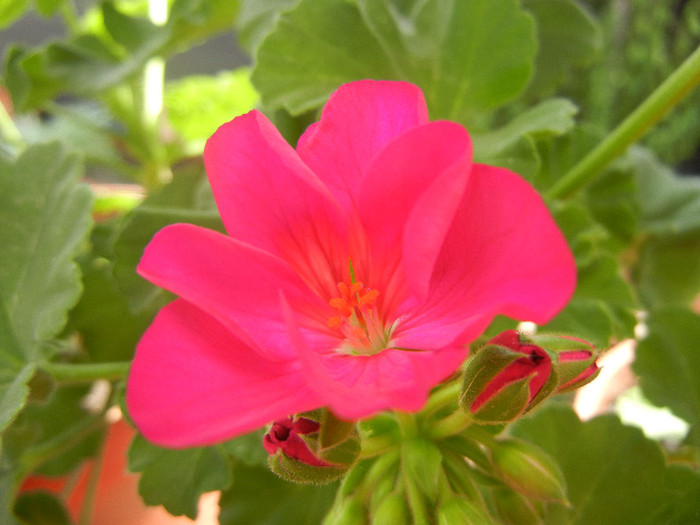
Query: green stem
{"type": "Point", "coordinates": [375, 446]}
{"type": "Point", "coordinates": [407, 422]}
{"type": "Point", "coordinates": [444, 396]}
{"type": "Point", "coordinates": [450, 425]}
{"type": "Point", "coordinates": [667, 95]}
{"type": "Point", "coordinates": [87, 372]}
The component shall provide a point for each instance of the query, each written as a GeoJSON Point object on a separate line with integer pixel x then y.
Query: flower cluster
{"type": "Point", "coordinates": [355, 270]}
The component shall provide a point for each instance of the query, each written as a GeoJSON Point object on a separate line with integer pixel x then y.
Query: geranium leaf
{"type": "Point", "coordinates": [668, 363]}
{"type": "Point", "coordinates": [254, 488]}
{"type": "Point", "coordinates": [44, 217]}
{"type": "Point", "coordinates": [186, 199]}
{"type": "Point", "coordinates": [447, 48]}
{"type": "Point", "coordinates": [568, 36]}
{"type": "Point", "coordinates": [444, 47]}
{"type": "Point", "coordinates": [176, 478]}
{"type": "Point", "coordinates": [613, 473]}
{"type": "Point", "coordinates": [314, 48]}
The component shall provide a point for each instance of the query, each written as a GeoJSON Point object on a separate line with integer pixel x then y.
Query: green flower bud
{"type": "Point", "coordinates": [349, 511]}
{"type": "Point", "coordinates": [393, 510]}
{"type": "Point", "coordinates": [529, 470]}
{"type": "Point", "coordinates": [314, 447]}
{"type": "Point", "coordinates": [574, 360]}
{"type": "Point", "coordinates": [514, 509]}
{"type": "Point", "coordinates": [506, 378]}
{"type": "Point", "coordinates": [462, 511]}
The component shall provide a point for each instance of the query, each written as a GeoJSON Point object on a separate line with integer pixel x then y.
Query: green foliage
{"type": "Point", "coordinates": [44, 217]}
{"type": "Point", "coordinates": [613, 473]}
{"type": "Point", "coordinates": [176, 478]}
{"type": "Point", "coordinates": [442, 47]}
{"type": "Point", "coordinates": [537, 83]}
{"type": "Point", "coordinates": [668, 363]}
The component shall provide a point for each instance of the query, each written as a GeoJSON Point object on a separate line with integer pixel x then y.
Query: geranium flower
{"type": "Point", "coordinates": [356, 269]}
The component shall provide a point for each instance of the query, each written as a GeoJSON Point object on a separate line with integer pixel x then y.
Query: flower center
{"type": "Point", "coordinates": [358, 320]}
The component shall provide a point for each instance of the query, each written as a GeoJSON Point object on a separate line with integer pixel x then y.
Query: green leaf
{"type": "Point", "coordinates": [602, 308]}
{"type": "Point", "coordinates": [11, 10]}
{"type": "Point", "coordinates": [256, 19]}
{"type": "Point", "coordinates": [511, 146]}
{"type": "Point", "coordinates": [613, 473]}
{"type": "Point", "coordinates": [669, 204]}
{"type": "Point", "coordinates": [258, 497]}
{"type": "Point", "coordinates": [568, 36]}
{"type": "Point", "coordinates": [48, 7]}
{"type": "Point", "coordinates": [657, 274]}
{"type": "Point", "coordinates": [668, 363]}
{"type": "Point", "coordinates": [44, 216]}
{"type": "Point", "coordinates": [444, 47]}
{"type": "Point", "coordinates": [448, 49]}
{"type": "Point", "coordinates": [186, 199]}
{"type": "Point", "coordinates": [177, 478]}
{"type": "Point", "coordinates": [314, 48]}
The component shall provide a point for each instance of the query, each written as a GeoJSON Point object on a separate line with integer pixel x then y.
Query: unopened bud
{"type": "Point", "coordinates": [393, 510]}
{"type": "Point", "coordinates": [574, 360]}
{"type": "Point", "coordinates": [506, 378]}
{"type": "Point", "coordinates": [299, 454]}
{"type": "Point", "coordinates": [514, 509]}
{"type": "Point", "coordinates": [462, 511]}
{"type": "Point", "coordinates": [529, 470]}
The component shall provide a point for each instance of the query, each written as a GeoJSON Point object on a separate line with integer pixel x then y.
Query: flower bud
{"type": "Point", "coordinates": [303, 451]}
{"type": "Point", "coordinates": [393, 510]}
{"type": "Point", "coordinates": [515, 509]}
{"type": "Point", "coordinates": [574, 360]}
{"type": "Point", "coordinates": [529, 470]}
{"type": "Point", "coordinates": [462, 511]}
{"type": "Point", "coordinates": [506, 378]}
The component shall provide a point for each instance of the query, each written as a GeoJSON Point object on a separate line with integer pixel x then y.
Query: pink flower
{"type": "Point", "coordinates": [356, 269]}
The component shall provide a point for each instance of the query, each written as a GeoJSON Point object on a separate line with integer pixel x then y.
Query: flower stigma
{"type": "Point", "coordinates": [358, 320]}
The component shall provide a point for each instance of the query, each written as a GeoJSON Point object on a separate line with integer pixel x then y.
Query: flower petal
{"type": "Point", "coordinates": [236, 283]}
{"type": "Point", "coordinates": [192, 382]}
{"type": "Point", "coordinates": [503, 255]}
{"type": "Point", "coordinates": [270, 199]}
{"type": "Point", "coordinates": [408, 200]}
{"type": "Point", "coordinates": [358, 121]}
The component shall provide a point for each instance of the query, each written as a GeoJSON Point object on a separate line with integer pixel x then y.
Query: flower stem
{"type": "Point", "coordinates": [450, 425]}
{"type": "Point", "coordinates": [666, 96]}
{"type": "Point", "coordinates": [407, 422]}
{"type": "Point", "coordinates": [87, 372]}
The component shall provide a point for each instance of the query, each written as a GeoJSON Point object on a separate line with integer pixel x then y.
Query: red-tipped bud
{"type": "Point", "coordinates": [285, 436]}
{"type": "Point", "coordinates": [574, 360]}
{"type": "Point", "coordinates": [314, 447]}
{"type": "Point", "coordinates": [506, 378]}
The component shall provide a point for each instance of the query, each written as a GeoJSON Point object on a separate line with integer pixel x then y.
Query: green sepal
{"type": "Point", "coordinates": [514, 509]}
{"type": "Point", "coordinates": [529, 470]}
{"type": "Point", "coordinates": [506, 405]}
{"type": "Point", "coordinates": [578, 384]}
{"type": "Point", "coordinates": [482, 367]}
{"type": "Point", "coordinates": [298, 472]}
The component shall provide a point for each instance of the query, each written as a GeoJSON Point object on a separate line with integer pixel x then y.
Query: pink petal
{"type": "Point", "coordinates": [358, 121]}
{"type": "Point", "coordinates": [192, 382]}
{"type": "Point", "coordinates": [237, 284]}
{"type": "Point", "coordinates": [270, 199]}
{"type": "Point", "coordinates": [503, 255]}
{"type": "Point", "coordinates": [408, 200]}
